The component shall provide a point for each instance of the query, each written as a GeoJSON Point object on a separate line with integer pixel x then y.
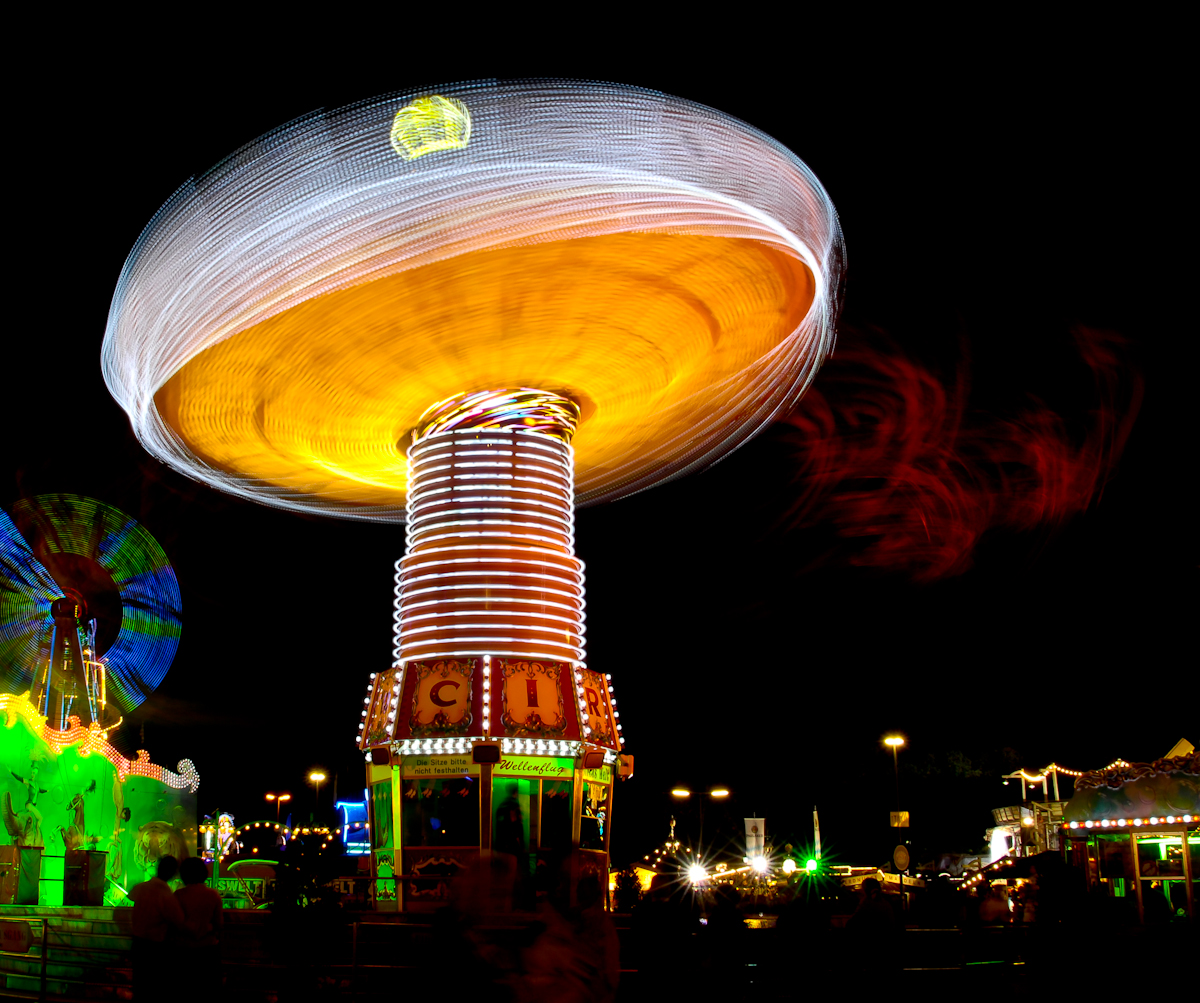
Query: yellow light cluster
{"type": "Point", "coordinates": [94, 739]}
{"type": "Point", "coordinates": [1054, 767]}
{"type": "Point", "coordinates": [430, 124]}
{"type": "Point", "coordinates": [306, 831]}
{"type": "Point", "coordinates": [1121, 823]}
{"type": "Point", "coordinates": [988, 873]}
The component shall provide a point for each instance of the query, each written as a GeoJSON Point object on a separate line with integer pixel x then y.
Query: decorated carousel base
{"type": "Point", "coordinates": [82, 823]}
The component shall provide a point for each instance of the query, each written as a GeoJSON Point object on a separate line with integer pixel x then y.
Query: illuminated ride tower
{"type": "Point", "coordinates": [469, 309]}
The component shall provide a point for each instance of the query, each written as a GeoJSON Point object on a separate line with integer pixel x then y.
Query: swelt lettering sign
{"type": "Point", "coordinates": [551, 768]}
{"type": "Point", "coordinates": [16, 936]}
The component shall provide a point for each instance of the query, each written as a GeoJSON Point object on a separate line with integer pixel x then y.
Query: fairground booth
{"type": "Point", "coordinates": [511, 759]}
{"type": "Point", "coordinates": [1134, 830]}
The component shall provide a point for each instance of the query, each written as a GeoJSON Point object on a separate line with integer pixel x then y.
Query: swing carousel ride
{"type": "Point", "coordinates": [89, 625]}
{"type": "Point", "coordinates": [469, 309]}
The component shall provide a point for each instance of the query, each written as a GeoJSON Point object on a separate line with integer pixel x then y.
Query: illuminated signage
{"type": "Point", "coordinates": [551, 768]}
{"type": "Point", "coordinates": [533, 702]}
{"type": "Point", "coordinates": [601, 776]}
{"type": "Point", "coordinates": [442, 701]}
{"type": "Point", "coordinates": [439, 766]}
{"type": "Point", "coordinates": [595, 708]}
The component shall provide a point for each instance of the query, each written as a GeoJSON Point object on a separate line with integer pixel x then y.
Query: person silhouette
{"type": "Point", "coordinates": [202, 914]}
{"type": "Point", "coordinates": [156, 914]}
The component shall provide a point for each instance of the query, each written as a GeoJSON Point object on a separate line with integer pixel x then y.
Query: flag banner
{"type": "Point", "coordinates": [756, 830]}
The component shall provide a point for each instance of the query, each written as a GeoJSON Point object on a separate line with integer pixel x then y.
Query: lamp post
{"type": "Point", "coordinates": [716, 794]}
{"type": "Point", "coordinates": [895, 741]}
{"type": "Point", "coordinates": [316, 778]}
{"type": "Point", "coordinates": [278, 799]}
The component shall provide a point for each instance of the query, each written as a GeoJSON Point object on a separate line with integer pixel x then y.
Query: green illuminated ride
{"type": "Point", "coordinates": [89, 624]}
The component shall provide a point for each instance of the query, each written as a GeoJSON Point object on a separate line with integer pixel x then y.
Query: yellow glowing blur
{"type": "Point", "coordinates": [789, 866]}
{"type": "Point", "coordinates": [893, 740]}
{"type": "Point", "coordinates": [681, 792]}
{"type": "Point", "coordinates": [719, 792]}
{"type": "Point", "coordinates": [430, 124]}
{"type": "Point", "coordinates": [316, 777]}
{"type": "Point", "coordinates": [648, 333]}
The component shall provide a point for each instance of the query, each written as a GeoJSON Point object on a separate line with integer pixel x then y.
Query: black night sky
{"type": "Point", "coordinates": [993, 202]}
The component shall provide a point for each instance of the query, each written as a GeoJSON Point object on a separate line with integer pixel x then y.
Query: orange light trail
{"type": "Point", "coordinates": [286, 320]}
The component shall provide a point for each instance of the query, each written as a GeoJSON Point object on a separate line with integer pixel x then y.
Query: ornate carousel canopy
{"type": "Point", "coordinates": [1137, 793]}
{"type": "Point", "coordinates": [285, 320]}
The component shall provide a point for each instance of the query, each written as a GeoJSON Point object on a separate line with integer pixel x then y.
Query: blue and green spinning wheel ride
{"type": "Point", "coordinates": [68, 546]}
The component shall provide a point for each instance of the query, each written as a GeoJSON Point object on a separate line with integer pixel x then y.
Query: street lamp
{"type": "Point", "coordinates": [278, 799]}
{"type": "Point", "coordinates": [895, 741]}
{"type": "Point", "coordinates": [716, 794]}
{"type": "Point", "coordinates": [316, 778]}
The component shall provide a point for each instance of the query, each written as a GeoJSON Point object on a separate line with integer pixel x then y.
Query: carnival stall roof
{"type": "Point", "coordinates": [1134, 793]}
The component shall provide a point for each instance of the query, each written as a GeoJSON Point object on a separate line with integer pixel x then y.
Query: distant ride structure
{"type": "Point", "coordinates": [90, 620]}
{"type": "Point", "coordinates": [468, 309]}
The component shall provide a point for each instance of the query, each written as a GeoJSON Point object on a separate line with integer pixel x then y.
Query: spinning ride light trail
{"type": "Point", "coordinates": [85, 589]}
{"type": "Point", "coordinates": [471, 308]}
{"type": "Point", "coordinates": [285, 319]}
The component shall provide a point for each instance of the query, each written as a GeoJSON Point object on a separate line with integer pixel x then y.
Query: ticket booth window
{"type": "Point", "coordinates": [594, 819]}
{"type": "Point", "coordinates": [556, 815]}
{"type": "Point", "coordinates": [513, 799]}
{"type": "Point", "coordinates": [440, 811]}
{"type": "Point", "coordinates": [381, 806]}
{"type": "Point", "coordinates": [1115, 860]}
{"type": "Point", "coordinates": [1161, 856]}
{"type": "Point", "coordinates": [1193, 843]}
{"type": "Point", "coordinates": [1163, 878]}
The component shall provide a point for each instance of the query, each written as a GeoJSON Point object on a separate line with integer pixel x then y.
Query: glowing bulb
{"type": "Point", "coordinates": [697, 873]}
{"type": "Point", "coordinates": [759, 864]}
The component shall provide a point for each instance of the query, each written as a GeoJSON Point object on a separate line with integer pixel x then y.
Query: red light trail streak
{"type": "Point", "coordinates": [888, 452]}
